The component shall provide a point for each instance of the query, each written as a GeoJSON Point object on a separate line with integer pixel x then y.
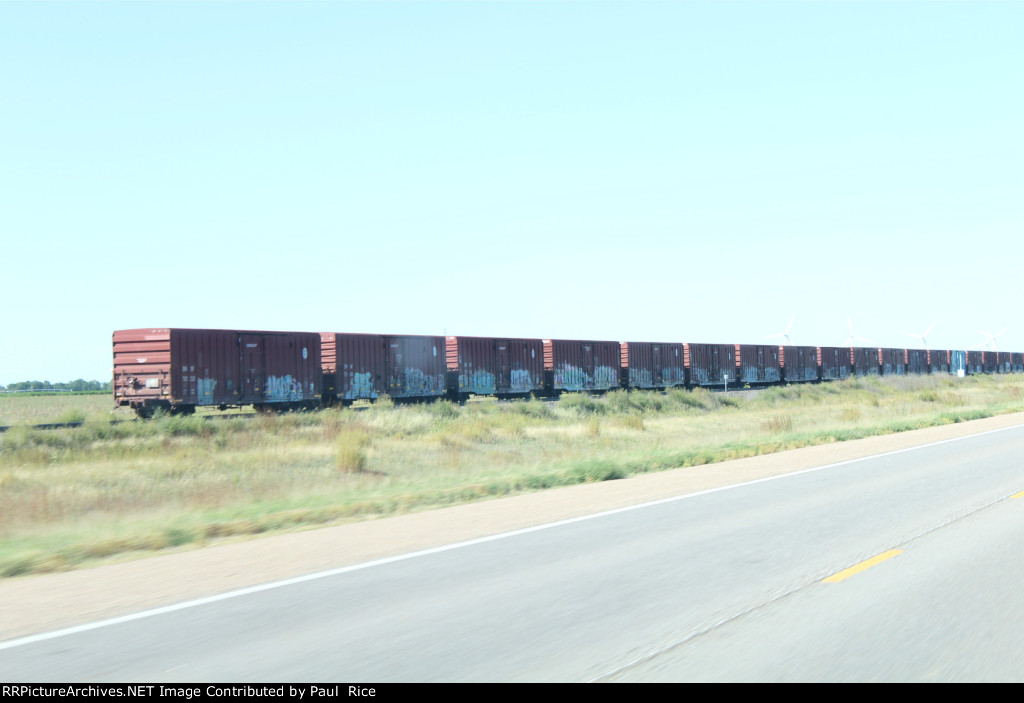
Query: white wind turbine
{"type": "Point", "coordinates": [922, 337]}
{"type": "Point", "coordinates": [849, 340]}
{"type": "Point", "coordinates": [990, 339]}
{"type": "Point", "coordinates": [785, 334]}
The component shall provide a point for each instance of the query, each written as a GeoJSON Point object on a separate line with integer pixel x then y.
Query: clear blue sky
{"type": "Point", "coordinates": [628, 171]}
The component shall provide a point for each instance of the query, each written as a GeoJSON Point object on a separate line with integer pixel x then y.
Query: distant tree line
{"type": "Point", "coordinates": [76, 386]}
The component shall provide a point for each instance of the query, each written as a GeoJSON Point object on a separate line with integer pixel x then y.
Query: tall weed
{"type": "Point", "coordinates": [350, 450]}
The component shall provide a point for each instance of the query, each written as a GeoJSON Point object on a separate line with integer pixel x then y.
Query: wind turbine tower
{"type": "Point", "coordinates": [849, 340]}
{"type": "Point", "coordinates": [785, 334]}
{"type": "Point", "coordinates": [922, 337]}
{"type": "Point", "coordinates": [990, 339]}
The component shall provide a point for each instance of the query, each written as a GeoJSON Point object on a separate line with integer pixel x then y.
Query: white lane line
{"type": "Point", "coordinates": [30, 639]}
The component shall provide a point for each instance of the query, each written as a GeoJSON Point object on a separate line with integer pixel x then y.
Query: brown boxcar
{"type": "Point", "coordinates": [975, 362]}
{"type": "Point", "coordinates": [581, 365]}
{"type": "Point", "coordinates": [758, 363]}
{"type": "Point", "coordinates": [710, 364]}
{"type": "Point", "coordinates": [179, 369]}
{"type": "Point", "coordinates": [1004, 362]}
{"type": "Point", "coordinates": [494, 366]}
{"type": "Point", "coordinates": [917, 361]}
{"type": "Point", "coordinates": [1017, 362]}
{"type": "Point", "coordinates": [653, 364]}
{"type": "Point", "coordinates": [799, 364]}
{"type": "Point", "coordinates": [938, 361]}
{"type": "Point", "coordinates": [836, 363]}
{"type": "Point", "coordinates": [990, 362]}
{"type": "Point", "coordinates": [892, 362]}
{"type": "Point", "coordinates": [864, 360]}
{"type": "Point", "coordinates": [415, 366]}
{"type": "Point", "coordinates": [354, 366]}
{"type": "Point", "coordinates": [365, 366]}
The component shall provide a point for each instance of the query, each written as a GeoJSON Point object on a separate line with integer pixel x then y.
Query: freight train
{"type": "Point", "coordinates": [178, 370]}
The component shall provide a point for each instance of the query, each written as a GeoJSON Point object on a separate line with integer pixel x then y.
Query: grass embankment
{"type": "Point", "coordinates": [73, 496]}
{"type": "Point", "coordinates": [40, 408]}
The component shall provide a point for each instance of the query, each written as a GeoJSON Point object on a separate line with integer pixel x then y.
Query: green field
{"type": "Point", "coordinates": [101, 491]}
{"type": "Point", "coordinates": [40, 408]}
{"type": "Point", "coordinates": [36, 408]}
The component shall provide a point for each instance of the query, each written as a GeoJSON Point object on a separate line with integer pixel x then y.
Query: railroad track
{"type": "Point", "coordinates": [742, 392]}
{"type": "Point", "coordinates": [68, 425]}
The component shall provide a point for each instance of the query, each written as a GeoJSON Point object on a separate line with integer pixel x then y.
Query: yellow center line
{"type": "Point", "coordinates": [866, 564]}
{"type": "Point", "coordinates": [1018, 495]}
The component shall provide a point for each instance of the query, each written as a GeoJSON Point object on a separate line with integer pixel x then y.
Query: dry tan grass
{"type": "Point", "coordinates": [68, 497]}
{"type": "Point", "coordinates": [21, 409]}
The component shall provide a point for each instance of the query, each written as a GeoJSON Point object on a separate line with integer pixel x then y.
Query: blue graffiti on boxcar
{"type": "Point", "coordinates": [413, 382]}
{"type": "Point", "coordinates": [520, 380]}
{"type": "Point", "coordinates": [750, 375]}
{"type": "Point", "coordinates": [673, 376]}
{"type": "Point", "coordinates": [281, 388]}
{"type": "Point", "coordinates": [205, 388]}
{"type": "Point", "coordinates": [571, 378]}
{"type": "Point", "coordinates": [479, 382]}
{"type": "Point", "coordinates": [361, 386]}
{"type": "Point", "coordinates": [641, 378]}
{"type": "Point", "coordinates": [606, 377]}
